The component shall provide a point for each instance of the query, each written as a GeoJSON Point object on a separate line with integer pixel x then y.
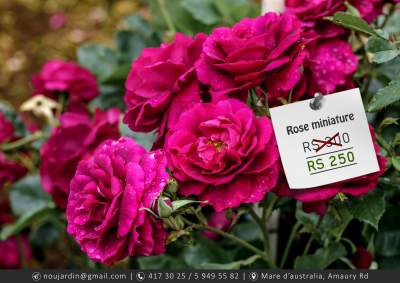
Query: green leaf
{"type": "Point", "coordinates": [137, 23]}
{"type": "Point", "coordinates": [308, 220]}
{"type": "Point", "coordinates": [102, 61]}
{"type": "Point", "coordinates": [385, 56]}
{"type": "Point", "coordinates": [376, 44]}
{"type": "Point", "coordinates": [231, 265]}
{"type": "Point", "coordinates": [128, 44]}
{"type": "Point", "coordinates": [396, 140]}
{"type": "Point", "coordinates": [388, 71]}
{"type": "Point", "coordinates": [396, 162]}
{"type": "Point", "coordinates": [387, 242]}
{"type": "Point", "coordinates": [393, 23]}
{"type": "Point", "coordinates": [322, 258]}
{"type": "Point", "coordinates": [45, 235]}
{"type": "Point", "coordinates": [334, 223]}
{"type": "Point", "coordinates": [382, 50]}
{"type": "Point", "coordinates": [206, 251]}
{"type": "Point", "coordinates": [110, 96]}
{"type": "Point", "coordinates": [368, 209]}
{"type": "Point", "coordinates": [183, 20]}
{"type": "Point", "coordinates": [385, 96]}
{"type": "Point", "coordinates": [387, 122]}
{"type": "Point", "coordinates": [352, 22]}
{"type": "Point", "coordinates": [178, 204]}
{"type": "Point", "coordinates": [203, 11]}
{"type": "Point", "coordinates": [234, 10]}
{"type": "Point", "coordinates": [27, 219]}
{"type": "Point", "coordinates": [248, 231]}
{"type": "Point", "coordinates": [27, 195]}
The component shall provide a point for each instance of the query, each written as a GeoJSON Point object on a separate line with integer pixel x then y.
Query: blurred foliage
{"type": "Point", "coordinates": [33, 31]}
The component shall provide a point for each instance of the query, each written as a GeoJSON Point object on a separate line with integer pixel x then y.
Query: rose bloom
{"type": "Point", "coordinates": [74, 139]}
{"type": "Point", "coordinates": [311, 11]}
{"type": "Point", "coordinates": [315, 199]}
{"type": "Point", "coordinates": [59, 77]}
{"type": "Point", "coordinates": [162, 83]}
{"type": "Point", "coordinates": [10, 171]}
{"type": "Point", "coordinates": [329, 67]}
{"type": "Point", "coordinates": [109, 193]}
{"type": "Point", "coordinates": [9, 249]}
{"type": "Point", "coordinates": [223, 154]}
{"type": "Point", "coordinates": [267, 51]}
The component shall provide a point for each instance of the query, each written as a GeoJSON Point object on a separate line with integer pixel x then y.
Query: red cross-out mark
{"type": "Point", "coordinates": [327, 142]}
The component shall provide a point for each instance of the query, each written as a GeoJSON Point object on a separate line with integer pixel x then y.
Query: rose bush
{"type": "Point", "coordinates": [188, 169]}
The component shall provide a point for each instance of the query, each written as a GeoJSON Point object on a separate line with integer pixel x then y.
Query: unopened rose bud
{"type": "Point", "coordinates": [164, 207]}
{"type": "Point", "coordinates": [172, 186]}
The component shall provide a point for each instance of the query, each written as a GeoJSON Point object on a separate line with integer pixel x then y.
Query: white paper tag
{"type": "Point", "coordinates": [320, 147]}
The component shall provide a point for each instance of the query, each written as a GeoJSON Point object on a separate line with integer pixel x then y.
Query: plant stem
{"type": "Point", "coordinates": [167, 17]}
{"type": "Point", "coordinates": [21, 142]}
{"type": "Point", "coordinates": [21, 249]}
{"type": "Point", "coordinates": [267, 211]}
{"type": "Point", "coordinates": [308, 245]}
{"type": "Point", "coordinates": [239, 241]}
{"type": "Point", "coordinates": [289, 243]}
{"type": "Point", "coordinates": [262, 226]}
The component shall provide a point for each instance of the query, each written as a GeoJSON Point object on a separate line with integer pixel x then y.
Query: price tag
{"type": "Point", "coordinates": [326, 145]}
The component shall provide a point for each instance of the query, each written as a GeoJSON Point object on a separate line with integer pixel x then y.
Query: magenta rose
{"type": "Point", "coordinates": [109, 194]}
{"type": "Point", "coordinates": [10, 252]}
{"type": "Point", "coordinates": [329, 67]}
{"type": "Point", "coordinates": [160, 79]}
{"type": "Point", "coordinates": [9, 249]}
{"type": "Point", "coordinates": [223, 154]}
{"type": "Point", "coordinates": [315, 199]}
{"type": "Point", "coordinates": [267, 51]}
{"type": "Point", "coordinates": [74, 139]}
{"type": "Point", "coordinates": [311, 11]}
{"type": "Point", "coordinates": [221, 221]}
{"type": "Point", "coordinates": [10, 171]}
{"type": "Point", "coordinates": [59, 77]}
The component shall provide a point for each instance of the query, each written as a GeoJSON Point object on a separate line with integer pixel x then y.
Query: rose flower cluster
{"type": "Point", "coordinates": [193, 92]}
